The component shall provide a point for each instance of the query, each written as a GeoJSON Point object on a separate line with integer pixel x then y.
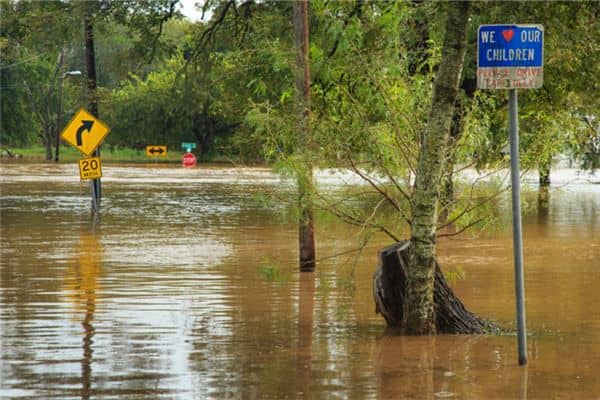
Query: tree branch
{"type": "Point", "coordinates": [373, 184]}
{"type": "Point", "coordinates": [352, 220]}
{"type": "Point", "coordinates": [472, 224]}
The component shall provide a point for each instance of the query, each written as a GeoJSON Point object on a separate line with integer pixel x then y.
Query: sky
{"type": "Point", "coordinates": [187, 7]}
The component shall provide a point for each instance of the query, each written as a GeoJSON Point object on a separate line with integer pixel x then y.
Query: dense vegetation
{"type": "Point", "coordinates": [227, 83]}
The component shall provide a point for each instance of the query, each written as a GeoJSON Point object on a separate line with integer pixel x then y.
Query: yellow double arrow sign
{"type": "Point", "coordinates": [156, 151]}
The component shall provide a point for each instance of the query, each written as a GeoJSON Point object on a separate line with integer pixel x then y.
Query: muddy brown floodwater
{"type": "Point", "coordinates": [169, 297]}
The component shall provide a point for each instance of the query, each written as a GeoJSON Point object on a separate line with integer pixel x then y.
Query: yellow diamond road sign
{"type": "Point", "coordinates": [85, 132]}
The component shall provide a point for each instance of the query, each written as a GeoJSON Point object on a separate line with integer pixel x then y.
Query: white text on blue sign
{"type": "Point", "coordinates": [510, 56]}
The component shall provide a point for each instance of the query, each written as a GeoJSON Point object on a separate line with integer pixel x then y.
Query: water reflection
{"type": "Point", "coordinates": [543, 204]}
{"type": "Point", "coordinates": [404, 366]}
{"type": "Point", "coordinates": [463, 367]}
{"type": "Point", "coordinates": [524, 382]}
{"type": "Point", "coordinates": [304, 358]}
{"type": "Point", "coordinates": [90, 261]}
{"type": "Point", "coordinates": [82, 288]}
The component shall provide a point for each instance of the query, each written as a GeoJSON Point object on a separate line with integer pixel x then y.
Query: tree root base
{"type": "Point", "coordinates": [389, 283]}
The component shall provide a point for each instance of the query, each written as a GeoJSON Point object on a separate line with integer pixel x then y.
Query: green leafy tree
{"type": "Point", "coordinates": [43, 40]}
{"type": "Point", "coordinates": [551, 118]}
{"type": "Point", "coordinates": [35, 37]}
{"type": "Point", "coordinates": [142, 111]}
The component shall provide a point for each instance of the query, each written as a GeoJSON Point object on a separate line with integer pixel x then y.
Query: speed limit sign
{"type": "Point", "coordinates": [90, 168]}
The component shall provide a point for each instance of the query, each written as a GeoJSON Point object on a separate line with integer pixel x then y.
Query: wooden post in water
{"type": "Point", "coordinates": [306, 239]}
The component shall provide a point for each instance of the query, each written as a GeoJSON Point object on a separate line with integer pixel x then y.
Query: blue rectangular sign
{"type": "Point", "coordinates": [510, 57]}
{"type": "Point", "coordinates": [510, 46]}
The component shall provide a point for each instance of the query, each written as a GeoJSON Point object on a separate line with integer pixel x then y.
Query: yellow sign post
{"type": "Point", "coordinates": [90, 168]}
{"type": "Point", "coordinates": [156, 151]}
{"type": "Point", "coordinates": [85, 132]}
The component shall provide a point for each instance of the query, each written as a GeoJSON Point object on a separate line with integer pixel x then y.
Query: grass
{"type": "Point", "coordinates": [69, 154]}
{"type": "Point", "coordinates": [274, 273]}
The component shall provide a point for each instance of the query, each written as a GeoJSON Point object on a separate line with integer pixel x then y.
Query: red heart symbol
{"type": "Point", "coordinates": [508, 35]}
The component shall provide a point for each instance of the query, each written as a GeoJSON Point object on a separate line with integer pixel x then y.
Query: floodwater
{"type": "Point", "coordinates": [187, 289]}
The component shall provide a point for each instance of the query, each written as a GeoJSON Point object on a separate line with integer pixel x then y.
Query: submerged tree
{"type": "Point", "coordinates": [419, 311]}
{"type": "Point", "coordinates": [410, 290]}
{"type": "Point", "coordinates": [371, 98]}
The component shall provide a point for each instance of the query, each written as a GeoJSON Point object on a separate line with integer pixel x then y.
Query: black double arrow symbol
{"type": "Point", "coordinates": [154, 150]}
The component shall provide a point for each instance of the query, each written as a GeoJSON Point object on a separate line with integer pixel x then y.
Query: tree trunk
{"type": "Point", "coordinates": [544, 170]}
{"type": "Point", "coordinates": [306, 238]}
{"type": "Point", "coordinates": [389, 291]}
{"type": "Point", "coordinates": [419, 312]}
{"type": "Point", "coordinates": [49, 134]}
{"type": "Point", "coordinates": [447, 189]}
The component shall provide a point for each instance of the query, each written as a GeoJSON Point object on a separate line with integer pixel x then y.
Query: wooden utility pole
{"type": "Point", "coordinates": [90, 62]}
{"type": "Point", "coordinates": [306, 236]}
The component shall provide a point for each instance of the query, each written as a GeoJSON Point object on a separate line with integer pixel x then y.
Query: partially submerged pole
{"type": "Point", "coordinates": [306, 234]}
{"type": "Point", "coordinates": [90, 61]}
{"type": "Point", "coordinates": [513, 117]}
{"type": "Point", "coordinates": [494, 71]}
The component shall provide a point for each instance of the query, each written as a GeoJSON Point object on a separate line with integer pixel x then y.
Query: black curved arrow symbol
{"type": "Point", "coordinates": [86, 125]}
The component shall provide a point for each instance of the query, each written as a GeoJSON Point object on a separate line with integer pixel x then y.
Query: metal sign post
{"type": "Point", "coordinates": [513, 122]}
{"type": "Point", "coordinates": [512, 57]}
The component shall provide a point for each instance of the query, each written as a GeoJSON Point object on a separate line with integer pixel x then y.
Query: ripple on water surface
{"type": "Point", "coordinates": [170, 296]}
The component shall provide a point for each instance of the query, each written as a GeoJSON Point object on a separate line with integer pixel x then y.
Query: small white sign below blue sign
{"type": "Point", "coordinates": [510, 56]}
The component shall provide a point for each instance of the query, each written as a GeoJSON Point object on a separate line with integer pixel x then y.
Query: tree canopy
{"type": "Point", "coordinates": [223, 81]}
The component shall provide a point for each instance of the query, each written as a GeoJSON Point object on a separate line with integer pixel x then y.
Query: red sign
{"type": "Point", "coordinates": [188, 160]}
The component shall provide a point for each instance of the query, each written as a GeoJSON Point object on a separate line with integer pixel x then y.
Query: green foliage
{"type": "Point", "coordinates": [33, 34]}
{"type": "Point", "coordinates": [13, 132]}
{"type": "Point", "coordinates": [367, 111]}
{"type": "Point", "coordinates": [551, 117]}
{"type": "Point", "coordinates": [109, 155]}
{"type": "Point", "coordinates": [228, 83]}
{"type": "Point", "coordinates": [586, 144]}
{"type": "Point", "coordinates": [143, 106]}
{"type": "Point", "coordinates": [273, 273]}
{"type": "Point", "coordinates": [455, 274]}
